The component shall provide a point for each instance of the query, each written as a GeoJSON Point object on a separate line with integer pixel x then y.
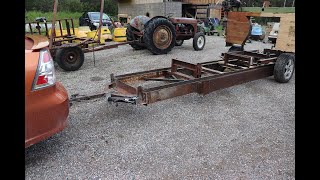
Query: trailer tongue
{"type": "Point", "coordinates": [183, 78]}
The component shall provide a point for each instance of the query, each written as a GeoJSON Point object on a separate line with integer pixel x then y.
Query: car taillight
{"type": "Point", "coordinates": [45, 75]}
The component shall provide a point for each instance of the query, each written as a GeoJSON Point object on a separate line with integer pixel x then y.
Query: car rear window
{"type": "Point", "coordinates": [96, 16]}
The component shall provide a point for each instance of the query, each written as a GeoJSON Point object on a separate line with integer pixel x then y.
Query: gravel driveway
{"type": "Point", "coordinates": [242, 132]}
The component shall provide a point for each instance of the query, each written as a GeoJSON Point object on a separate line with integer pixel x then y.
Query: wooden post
{"type": "Point", "coordinates": [53, 28]}
{"type": "Point", "coordinates": [100, 22]}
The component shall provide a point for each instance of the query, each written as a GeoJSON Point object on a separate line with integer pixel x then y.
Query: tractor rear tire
{"type": "Point", "coordinates": [69, 58]}
{"type": "Point", "coordinates": [159, 36]}
{"type": "Point", "coordinates": [130, 37]}
{"type": "Point", "coordinates": [284, 67]}
{"type": "Point", "coordinates": [179, 42]}
{"type": "Point", "coordinates": [199, 41]}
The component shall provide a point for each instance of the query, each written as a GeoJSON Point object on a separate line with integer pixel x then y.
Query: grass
{"type": "Point", "coordinates": [270, 9]}
{"type": "Point", "coordinates": [32, 15]}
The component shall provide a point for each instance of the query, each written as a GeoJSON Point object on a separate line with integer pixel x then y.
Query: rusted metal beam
{"type": "Point", "coordinates": [210, 84]}
{"type": "Point", "coordinates": [55, 6]}
{"type": "Point", "coordinates": [267, 61]}
{"type": "Point", "coordinates": [60, 27]}
{"type": "Point", "coordinates": [181, 75]}
{"type": "Point", "coordinates": [30, 28]}
{"type": "Point", "coordinates": [100, 20]}
{"type": "Point", "coordinates": [72, 27]}
{"type": "Point", "coordinates": [163, 79]}
{"type": "Point", "coordinates": [212, 70]}
{"type": "Point", "coordinates": [162, 93]}
{"type": "Point", "coordinates": [196, 69]}
{"type": "Point", "coordinates": [105, 47]}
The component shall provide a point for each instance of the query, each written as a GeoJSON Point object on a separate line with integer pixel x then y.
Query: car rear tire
{"type": "Point", "coordinates": [199, 41]}
{"type": "Point", "coordinates": [159, 36]}
{"type": "Point", "coordinates": [284, 67]}
{"type": "Point", "coordinates": [70, 58]}
{"type": "Point", "coordinates": [130, 37]}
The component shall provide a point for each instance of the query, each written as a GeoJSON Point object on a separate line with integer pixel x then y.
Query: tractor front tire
{"type": "Point", "coordinates": [284, 67]}
{"type": "Point", "coordinates": [199, 41]}
{"type": "Point", "coordinates": [69, 58]}
{"type": "Point", "coordinates": [159, 36]}
{"type": "Point", "coordinates": [130, 37]}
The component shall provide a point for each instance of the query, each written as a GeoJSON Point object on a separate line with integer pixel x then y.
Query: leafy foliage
{"type": "Point", "coordinates": [110, 6]}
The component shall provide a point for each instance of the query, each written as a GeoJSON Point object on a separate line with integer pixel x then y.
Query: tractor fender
{"type": "Point", "coordinates": [139, 22]}
{"type": "Point", "coordinates": [155, 17]}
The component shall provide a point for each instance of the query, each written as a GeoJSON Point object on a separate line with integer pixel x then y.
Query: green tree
{"type": "Point", "coordinates": [110, 6]}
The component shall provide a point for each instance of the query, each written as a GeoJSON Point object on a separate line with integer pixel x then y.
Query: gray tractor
{"type": "Point", "coordinates": [160, 34]}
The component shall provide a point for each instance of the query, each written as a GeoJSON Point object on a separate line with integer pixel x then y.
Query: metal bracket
{"type": "Point", "coordinates": [113, 98]}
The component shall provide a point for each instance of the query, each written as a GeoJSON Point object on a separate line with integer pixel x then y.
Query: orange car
{"type": "Point", "coordinates": [46, 100]}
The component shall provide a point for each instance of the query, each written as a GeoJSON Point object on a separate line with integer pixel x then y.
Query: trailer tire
{"type": "Point", "coordinates": [284, 67]}
{"type": "Point", "coordinates": [199, 41]}
{"type": "Point", "coordinates": [179, 42]}
{"type": "Point", "coordinates": [159, 36]}
{"type": "Point", "coordinates": [130, 37]}
{"type": "Point", "coordinates": [70, 58]}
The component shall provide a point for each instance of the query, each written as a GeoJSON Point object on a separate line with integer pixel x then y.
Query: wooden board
{"type": "Point", "coordinates": [238, 28]}
{"type": "Point", "coordinates": [286, 35]}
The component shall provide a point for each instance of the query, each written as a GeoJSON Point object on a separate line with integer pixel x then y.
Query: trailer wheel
{"type": "Point", "coordinates": [179, 42]}
{"type": "Point", "coordinates": [159, 36]}
{"type": "Point", "coordinates": [130, 37]}
{"type": "Point", "coordinates": [70, 58]}
{"type": "Point", "coordinates": [284, 67]}
{"type": "Point", "coordinates": [199, 40]}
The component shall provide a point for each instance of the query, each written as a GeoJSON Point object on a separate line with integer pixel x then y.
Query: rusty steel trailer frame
{"type": "Point", "coordinates": [59, 38]}
{"type": "Point", "coordinates": [55, 40]}
{"type": "Point", "coordinates": [183, 78]}
{"type": "Point", "coordinates": [66, 51]}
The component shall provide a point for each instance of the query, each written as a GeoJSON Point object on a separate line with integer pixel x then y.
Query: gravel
{"type": "Point", "coordinates": [242, 132]}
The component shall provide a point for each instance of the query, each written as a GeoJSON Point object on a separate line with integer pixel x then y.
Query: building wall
{"type": "Point", "coordinates": [154, 9]}
{"type": "Point", "coordinates": [201, 1]}
{"type": "Point", "coordinates": [139, 1]}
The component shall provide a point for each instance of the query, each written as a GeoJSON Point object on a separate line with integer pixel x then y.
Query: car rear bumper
{"type": "Point", "coordinates": [46, 117]}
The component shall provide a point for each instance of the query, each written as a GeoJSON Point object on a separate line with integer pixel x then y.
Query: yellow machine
{"type": "Point", "coordinates": [81, 31]}
{"type": "Point", "coordinates": [105, 35]}
{"type": "Point", "coordinates": [124, 19]}
{"type": "Point", "coordinates": [119, 34]}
